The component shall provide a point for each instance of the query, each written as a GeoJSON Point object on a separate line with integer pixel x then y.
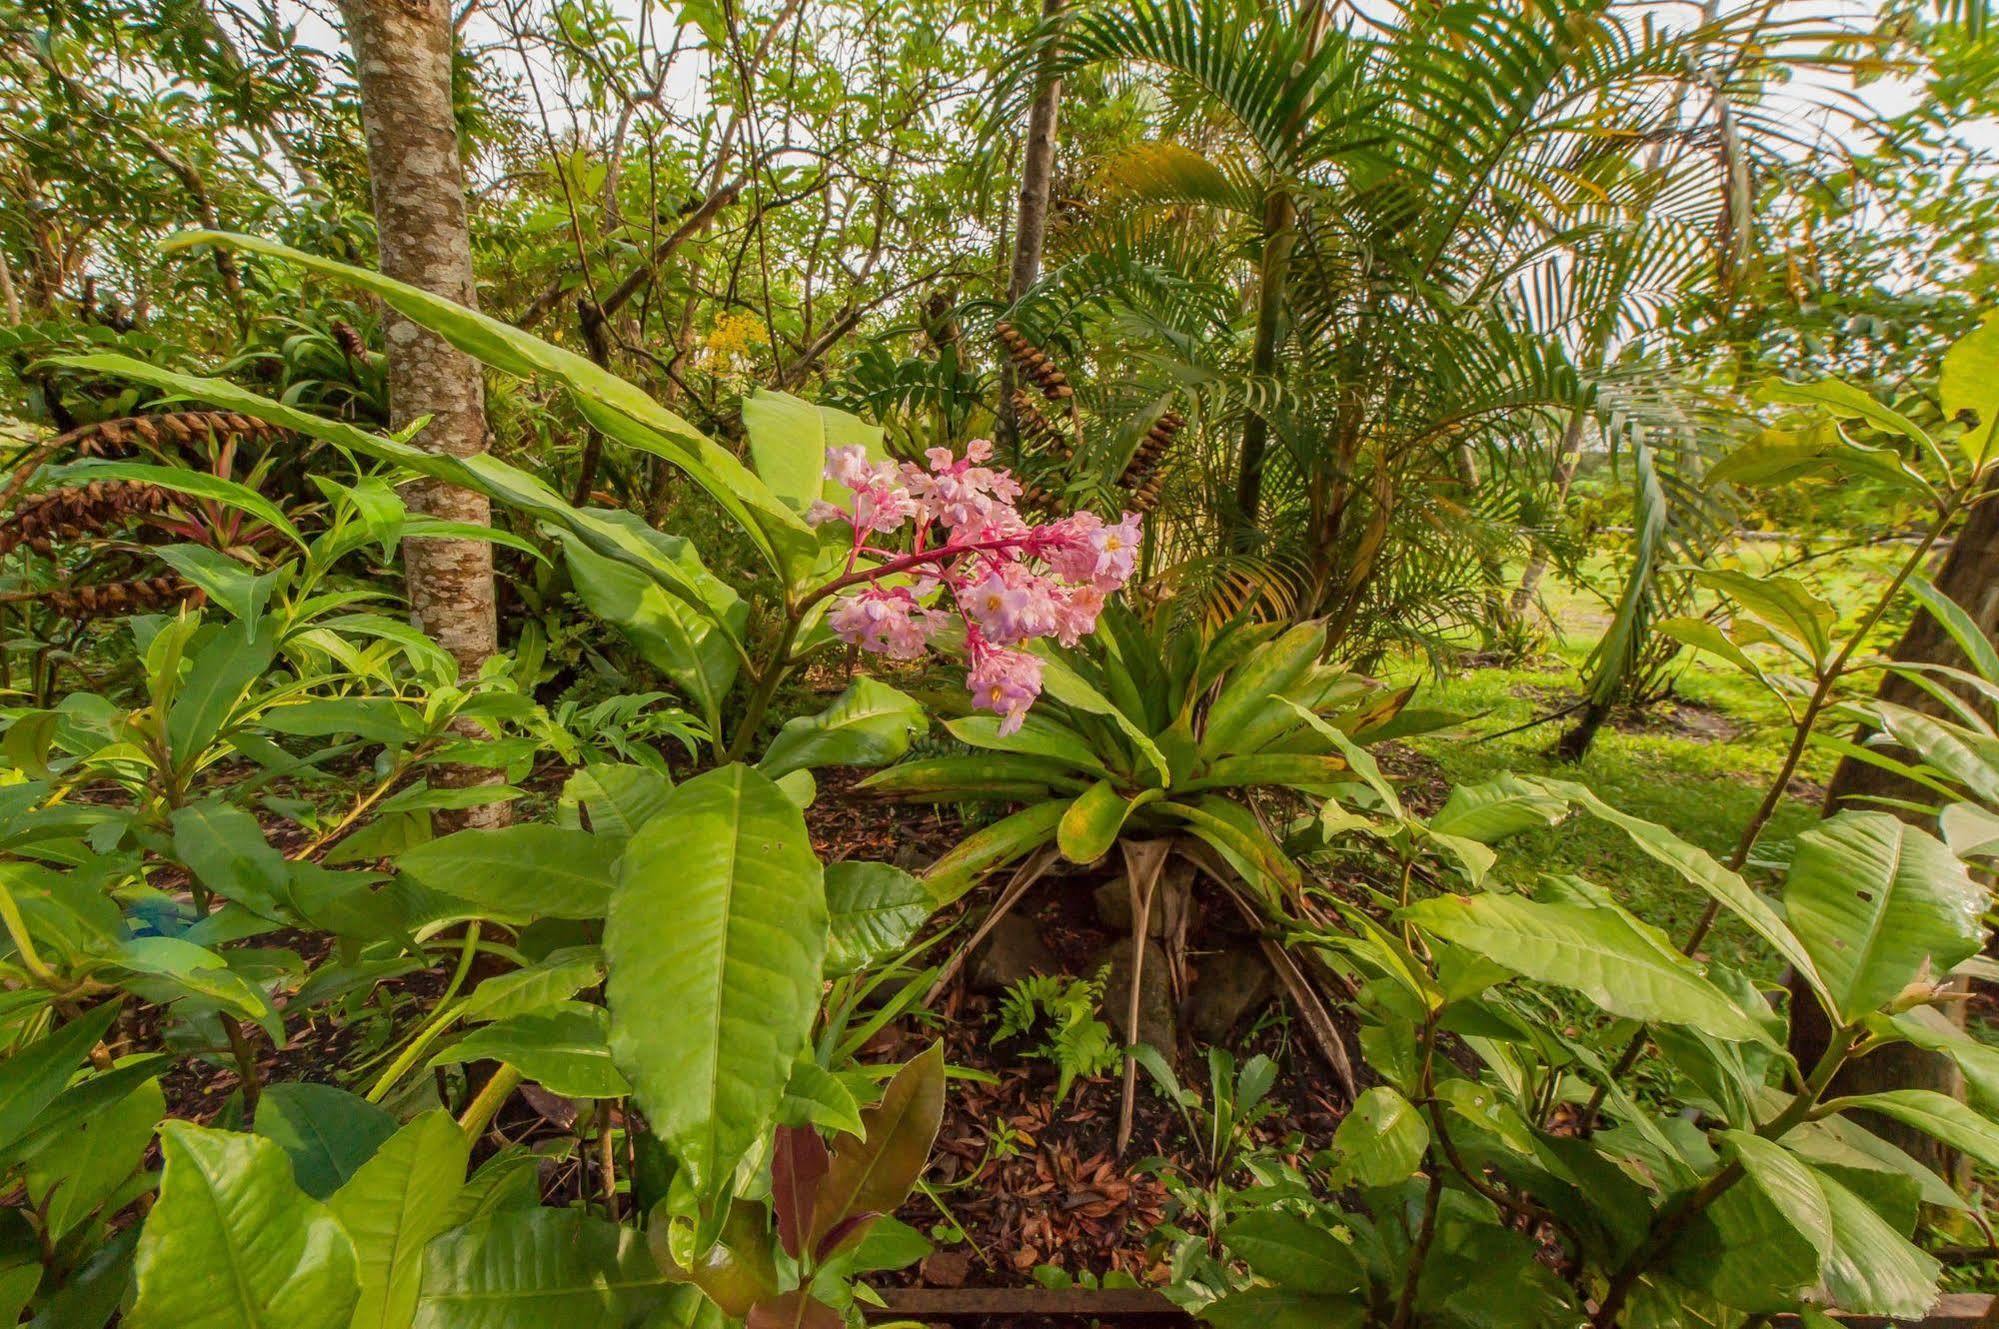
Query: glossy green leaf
{"type": "Point", "coordinates": [719, 919]}
{"type": "Point", "coordinates": [1929, 1028]}
{"type": "Point", "coordinates": [870, 724]}
{"type": "Point", "coordinates": [1626, 967]}
{"type": "Point", "coordinates": [557, 978]}
{"type": "Point", "coordinates": [225, 849]}
{"type": "Point", "coordinates": [520, 872]}
{"type": "Point", "coordinates": [1784, 605]}
{"type": "Point", "coordinates": [392, 1206]}
{"type": "Point", "coordinates": [225, 666]}
{"type": "Point", "coordinates": [1873, 1269]}
{"type": "Point", "coordinates": [538, 1269]}
{"type": "Point", "coordinates": [1091, 825]}
{"type": "Point", "coordinates": [327, 1133]}
{"type": "Point", "coordinates": [70, 1179]}
{"type": "Point", "coordinates": [993, 847]}
{"type": "Point", "coordinates": [1267, 671]}
{"type": "Point", "coordinates": [1381, 1141]}
{"type": "Point", "coordinates": [32, 1077]}
{"type": "Point", "coordinates": [1494, 809]}
{"type": "Point", "coordinates": [789, 438]}
{"type": "Point", "coordinates": [1938, 1116]}
{"type": "Point", "coordinates": [1039, 736]}
{"type": "Point", "coordinates": [1294, 1252]}
{"type": "Point", "coordinates": [195, 484]}
{"type": "Point", "coordinates": [616, 797]}
{"type": "Point", "coordinates": [565, 1048]}
{"type": "Point", "coordinates": [1968, 390]}
{"type": "Point", "coordinates": [233, 1243]}
{"type": "Point", "coordinates": [1876, 900]}
{"type": "Point", "coordinates": [874, 910]}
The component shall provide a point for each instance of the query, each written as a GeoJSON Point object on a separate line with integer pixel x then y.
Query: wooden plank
{"type": "Point", "coordinates": [1957, 1311]}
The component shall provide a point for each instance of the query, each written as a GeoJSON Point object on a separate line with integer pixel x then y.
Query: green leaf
{"type": "Point", "coordinates": [1763, 1244]}
{"type": "Point", "coordinates": [1875, 900]}
{"type": "Point", "coordinates": [1039, 736]}
{"type": "Point", "coordinates": [1091, 825]}
{"type": "Point", "coordinates": [1705, 636]}
{"type": "Point", "coordinates": [392, 1206]}
{"type": "Point", "coordinates": [1968, 390]}
{"type": "Point", "coordinates": [232, 1243]}
{"type": "Point", "coordinates": [538, 1269]}
{"type": "Point", "coordinates": [1284, 1308]}
{"type": "Point", "coordinates": [1266, 672]}
{"type": "Point", "coordinates": [1786, 606]}
{"type": "Point", "coordinates": [994, 847]}
{"type": "Point", "coordinates": [1626, 967]}
{"type": "Point", "coordinates": [698, 646]}
{"type": "Point", "coordinates": [565, 1048]}
{"type": "Point", "coordinates": [788, 442]}
{"type": "Point", "coordinates": [327, 1133]}
{"type": "Point", "coordinates": [615, 407]}
{"type": "Point", "coordinates": [818, 1097]}
{"type": "Point", "coordinates": [1936, 1115]}
{"type": "Point", "coordinates": [521, 872]}
{"type": "Point", "coordinates": [1061, 681]}
{"type": "Point", "coordinates": [225, 849]}
{"type": "Point", "coordinates": [1873, 1269]}
{"type": "Point", "coordinates": [870, 724]}
{"type": "Point", "coordinates": [874, 910]}
{"type": "Point", "coordinates": [1929, 1028]}
{"type": "Point", "coordinates": [31, 1079]}
{"type": "Point", "coordinates": [224, 668]}
{"type": "Point", "coordinates": [1962, 627]}
{"type": "Point", "coordinates": [1698, 867]}
{"type": "Point", "coordinates": [617, 797]}
{"type": "Point", "coordinates": [871, 1173]}
{"type": "Point", "coordinates": [94, 1159]}
{"type": "Point", "coordinates": [719, 918]}
{"type": "Point", "coordinates": [1494, 809]}
{"type": "Point", "coordinates": [557, 978]}
{"type": "Point", "coordinates": [1381, 1141]}
{"type": "Point", "coordinates": [1845, 401]}
{"type": "Point", "coordinates": [984, 777]}
{"type": "Point", "coordinates": [1294, 1252]}
{"type": "Point", "coordinates": [228, 583]}
{"type": "Point", "coordinates": [376, 719]}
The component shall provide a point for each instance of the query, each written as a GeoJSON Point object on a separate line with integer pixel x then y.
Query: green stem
{"type": "Point", "coordinates": [495, 1092]}
{"type": "Point", "coordinates": [441, 1018]}
{"type": "Point", "coordinates": [246, 1064]}
{"type": "Point", "coordinates": [772, 675]}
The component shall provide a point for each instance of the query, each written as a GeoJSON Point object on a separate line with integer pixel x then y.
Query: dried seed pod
{"type": "Point", "coordinates": [137, 596]}
{"type": "Point", "coordinates": [1151, 451]}
{"type": "Point", "coordinates": [1034, 364]}
{"type": "Point", "coordinates": [79, 510]}
{"type": "Point", "coordinates": [116, 438]}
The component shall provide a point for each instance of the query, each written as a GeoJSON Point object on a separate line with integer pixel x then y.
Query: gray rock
{"type": "Point", "coordinates": [1013, 950]}
{"type": "Point", "coordinates": [1156, 1024]}
{"type": "Point", "coordinates": [1171, 899]}
{"type": "Point", "coordinates": [1230, 985]}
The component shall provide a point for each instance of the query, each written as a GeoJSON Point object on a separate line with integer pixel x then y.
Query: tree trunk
{"type": "Point", "coordinates": [1969, 575]}
{"type": "Point", "coordinates": [1030, 229]}
{"type": "Point", "coordinates": [402, 52]}
{"type": "Point", "coordinates": [1279, 231]}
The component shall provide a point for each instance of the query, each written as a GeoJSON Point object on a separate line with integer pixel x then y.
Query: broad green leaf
{"type": "Point", "coordinates": [953, 779]}
{"type": "Point", "coordinates": [225, 849]}
{"type": "Point", "coordinates": [1705, 636]}
{"type": "Point", "coordinates": [994, 847]}
{"type": "Point", "coordinates": [617, 408]}
{"type": "Point", "coordinates": [789, 438]}
{"type": "Point", "coordinates": [1061, 681]}
{"type": "Point", "coordinates": [327, 1133]}
{"type": "Point", "coordinates": [1233, 831]}
{"type": "Point", "coordinates": [1929, 1028]}
{"type": "Point", "coordinates": [870, 1174]}
{"type": "Point", "coordinates": [1962, 627]}
{"type": "Point", "coordinates": [1784, 605]}
{"type": "Point", "coordinates": [1494, 809]}
{"type": "Point", "coordinates": [616, 797]}
{"type": "Point", "coordinates": [1698, 867]}
{"type": "Point", "coordinates": [377, 719]}
{"type": "Point", "coordinates": [228, 583]}
{"type": "Point", "coordinates": [538, 1269]}
{"type": "Point", "coordinates": [1039, 736]}
{"type": "Point", "coordinates": [224, 668]}
{"type": "Point", "coordinates": [557, 978]}
{"type": "Point", "coordinates": [1626, 967]}
{"type": "Point", "coordinates": [67, 1181]}
{"type": "Point", "coordinates": [1845, 401]}
{"type": "Point", "coordinates": [1294, 1252]}
{"type": "Point", "coordinates": [80, 1102]}
{"type": "Point", "coordinates": [870, 724]}
{"type": "Point", "coordinates": [1381, 1141]}
{"type": "Point", "coordinates": [1285, 1308]}
{"type": "Point", "coordinates": [1936, 1115]}
{"type": "Point", "coordinates": [1091, 825]}
{"type": "Point", "coordinates": [874, 909]}
{"type": "Point", "coordinates": [1968, 390]}
{"type": "Point", "coordinates": [1876, 900]}
{"type": "Point", "coordinates": [392, 1206]}
{"type": "Point", "coordinates": [564, 1048]}
{"type": "Point", "coordinates": [232, 1243]}
{"type": "Point", "coordinates": [521, 872]}
{"type": "Point", "coordinates": [699, 648]}
{"type": "Point", "coordinates": [32, 1077]}
{"type": "Point", "coordinates": [173, 967]}
{"type": "Point", "coordinates": [717, 942]}
{"type": "Point", "coordinates": [1763, 1245]}
{"type": "Point", "coordinates": [1873, 1269]}
{"type": "Point", "coordinates": [818, 1097]}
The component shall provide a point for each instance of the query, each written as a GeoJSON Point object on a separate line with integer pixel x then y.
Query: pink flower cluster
{"type": "Point", "coordinates": [1008, 581]}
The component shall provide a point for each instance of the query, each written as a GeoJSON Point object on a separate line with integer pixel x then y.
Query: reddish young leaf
{"type": "Point", "coordinates": [797, 1166]}
{"type": "Point", "coordinates": [874, 1174]}
{"type": "Point", "coordinates": [844, 1233]}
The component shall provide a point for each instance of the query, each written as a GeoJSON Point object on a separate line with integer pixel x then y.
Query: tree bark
{"type": "Point", "coordinates": [402, 52]}
{"type": "Point", "coordinates": [1968, 575]}
{"type": "Point", "coordinates": [1030, 227]}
